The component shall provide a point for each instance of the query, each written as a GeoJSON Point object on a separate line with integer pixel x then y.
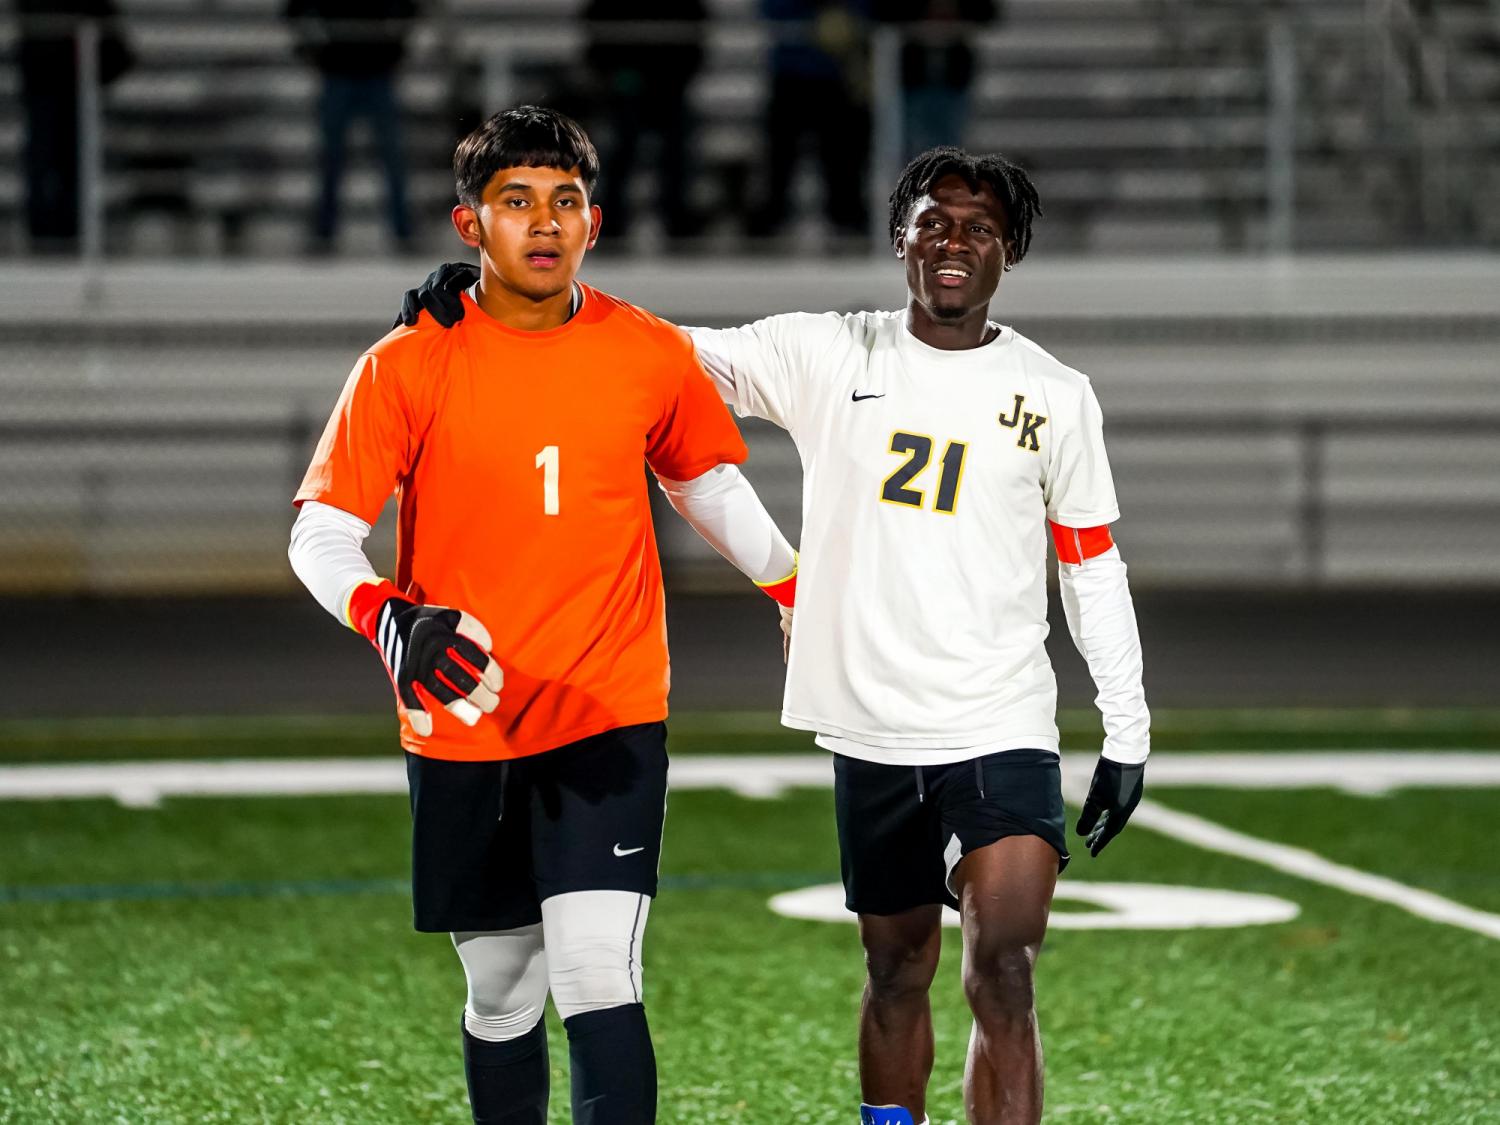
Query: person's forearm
{"type": "Point", "coordinates": [326, 553]}
{"type": "Point", "coordinates": [723, 508]}
{"type": "Point", "coordinates": [1101, 617]}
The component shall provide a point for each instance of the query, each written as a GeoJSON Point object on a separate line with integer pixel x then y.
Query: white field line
{"type": "Point", "coordinates": [1300, 862]}
{"type": "Point", "coordinates": [142, 784]}
{"type": "Point", "coordinates": [145, 783]}
{"type": "Point", "coordinates": [1308, 865]}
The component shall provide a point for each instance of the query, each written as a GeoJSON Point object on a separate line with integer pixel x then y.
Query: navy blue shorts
{"type": "Point", "coordinates": [491, 840]}
{"type": "Point", "coordinates": [903, 829]}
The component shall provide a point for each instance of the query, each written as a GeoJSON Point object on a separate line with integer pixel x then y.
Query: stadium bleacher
{"type": "Point", "coordinates": [1144, 121]}
{"type": "Point", "coordinates": [1264, 422]}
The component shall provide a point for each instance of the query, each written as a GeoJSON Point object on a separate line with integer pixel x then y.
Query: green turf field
{"type": "Point", "coordinates": [250, 959]}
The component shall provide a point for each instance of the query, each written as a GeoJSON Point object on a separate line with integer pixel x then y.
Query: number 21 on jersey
{"type": "Point", "coordinates": [917, 449]}
{"type": "Point", "coordinates": [547, 461]}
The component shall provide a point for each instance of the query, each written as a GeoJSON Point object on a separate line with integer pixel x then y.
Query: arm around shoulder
{"type": "Point", "coordinates": [761, 369]}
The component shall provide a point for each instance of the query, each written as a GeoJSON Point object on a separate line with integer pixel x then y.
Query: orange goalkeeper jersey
{"type": "Point", "coordinates": [516, 460]}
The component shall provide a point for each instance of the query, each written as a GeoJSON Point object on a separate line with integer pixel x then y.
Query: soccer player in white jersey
{"type": "Point", "coordinates": [938, 449]}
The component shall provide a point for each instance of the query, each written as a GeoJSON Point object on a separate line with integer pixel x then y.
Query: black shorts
{"type": "Point", "coordinates": [903, 829]}
{"type": "Point", "coordinates": [491, 840]}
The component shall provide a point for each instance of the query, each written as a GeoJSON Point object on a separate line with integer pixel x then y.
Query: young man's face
{"type": "Point", "coordinates": [531, 228]}
{"type": "Point", "coordinates": [955, 247]}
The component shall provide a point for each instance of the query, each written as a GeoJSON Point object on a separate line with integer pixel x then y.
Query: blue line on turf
{"type": "Point", "coordinates": [314, 888]}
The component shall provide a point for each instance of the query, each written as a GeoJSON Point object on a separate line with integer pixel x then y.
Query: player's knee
{"type": "Point", "coordinates": [595, 975]}
{"type": "Point", "coordinates": [507, 975]}
{"type": "Point", "coordinates": [1000, 982]}
{"type": "Point", "coordinates": [497, 1013]}
{"type": "Point", "coordinates": [898, 971]}
{"type": "Point", "coordinates": [594, 949]}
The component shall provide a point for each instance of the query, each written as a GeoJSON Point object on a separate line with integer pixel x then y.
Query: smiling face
{"type": "Point", "coordinates": [955, 245]}
{"type": "Point", "coordinates": [532, 227]}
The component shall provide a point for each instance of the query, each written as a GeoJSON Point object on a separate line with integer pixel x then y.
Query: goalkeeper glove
{"type": "Point", "coordinates": [441, 295]}
{"type": "Point", "coordinates": [443, 652]}
{"type": "Point", "coordinates": [1113, 796]}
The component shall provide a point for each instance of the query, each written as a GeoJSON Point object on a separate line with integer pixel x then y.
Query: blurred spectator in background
{"type": "Point", "coordinates": [645, 54]}
{"type": "Point", "coordinates": [357, 45]}
{"type": "Point", "coordinates": [820, 61]}
{"type": "Point", "coordinates": [48, 56]}
{"type": "Point", "coordinates": [937, 67]}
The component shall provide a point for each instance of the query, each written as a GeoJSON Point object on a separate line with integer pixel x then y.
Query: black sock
{"type": "Point", "coordinates": [508, 1081]}
{"type": "Point", "coordinates": [614, 1068]}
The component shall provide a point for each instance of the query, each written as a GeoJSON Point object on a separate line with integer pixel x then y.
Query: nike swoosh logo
{"type": "Point", "coordinates": [628, 851]}
{"type": "Point", "coordinates": [857, 397]}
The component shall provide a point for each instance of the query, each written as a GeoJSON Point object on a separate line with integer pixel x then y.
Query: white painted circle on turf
{"type": "Point", "coordinates": [1125, 906]}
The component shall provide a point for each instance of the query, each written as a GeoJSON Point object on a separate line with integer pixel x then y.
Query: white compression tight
{"type": "Point", "coordinates": [507, 971]}
{"type": "Point", "coordinates": [587, 951]}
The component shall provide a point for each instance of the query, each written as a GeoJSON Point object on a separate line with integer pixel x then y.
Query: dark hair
{"type": "Point", "coordinates": [1010, 183]}
{"type": "Point", "coordinates": [528, 136]}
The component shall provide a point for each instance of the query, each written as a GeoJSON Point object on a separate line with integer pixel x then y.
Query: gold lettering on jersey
{"type": "Point", "coordinates": [1029, 426]}
{"type": "Point", "coordinates": [1015, 414]}
{"type": "Point", "coordinates": [1027, 421]}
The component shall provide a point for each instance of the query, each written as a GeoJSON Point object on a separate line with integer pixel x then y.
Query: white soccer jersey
{"type": "Point", "coordinates": [928, 480]}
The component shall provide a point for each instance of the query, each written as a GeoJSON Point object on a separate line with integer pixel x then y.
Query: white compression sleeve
{"type": "Point", "coordinates": [507, 975]}
{"type": "Point", "coordinates": [594, 949]}
{"type": "Point", "coordinates": [1101, 617]}
{"type": "Point", "coordinates": [723, 508]}
{"type": "Point", "coordinates": [326, 552]}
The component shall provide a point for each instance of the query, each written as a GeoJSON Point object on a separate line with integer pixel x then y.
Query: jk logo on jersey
{"type": "Point", "coordinates": [1028, 422]}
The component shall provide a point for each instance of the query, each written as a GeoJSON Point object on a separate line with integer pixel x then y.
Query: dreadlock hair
{"type": "Point", "coordinates": [1010, 183]}
{"type": "Point", "coordinates": [528, 136]}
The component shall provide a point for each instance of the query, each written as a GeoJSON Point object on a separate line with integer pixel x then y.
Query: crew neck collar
{"type": "Point", "coordinates": [580, 302]}
{"type": "Point", "coordinates": [983, 351]}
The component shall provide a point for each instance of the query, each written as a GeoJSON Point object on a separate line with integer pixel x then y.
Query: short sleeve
{"type": "Point", "coordinates": [695, 432]}
{"type": "Point", "coordinates": [1079, 488]}
{"type": "Point", "coordinates": [762, 369]}
{"type": "Point", "coordinates": [367, 446]}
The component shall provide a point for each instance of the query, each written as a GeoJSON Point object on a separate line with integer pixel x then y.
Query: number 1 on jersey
{"type": "Point", "coordinates": [953, 473]}
{"type": "Point", "coordinates": [547, 461]}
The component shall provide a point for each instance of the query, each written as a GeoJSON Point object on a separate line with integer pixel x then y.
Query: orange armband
{"type": "Point", "coordinates": [784, 590]}
{"type": "Point", "coordinates": [363, 604]}
{"type": "Point", "coordinates": [1074, 544]}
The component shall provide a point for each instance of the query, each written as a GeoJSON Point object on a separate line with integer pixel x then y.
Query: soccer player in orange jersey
{"type": "Point", "coordinates": [523, 629]}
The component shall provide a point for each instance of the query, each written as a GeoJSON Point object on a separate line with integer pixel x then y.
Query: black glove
{"type": "Point", "coordinates": [441, 295]}
{"type": "Point", "coordinates": [443, 651]}
{"type": "Point", "coordinates": [1113, 796]}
